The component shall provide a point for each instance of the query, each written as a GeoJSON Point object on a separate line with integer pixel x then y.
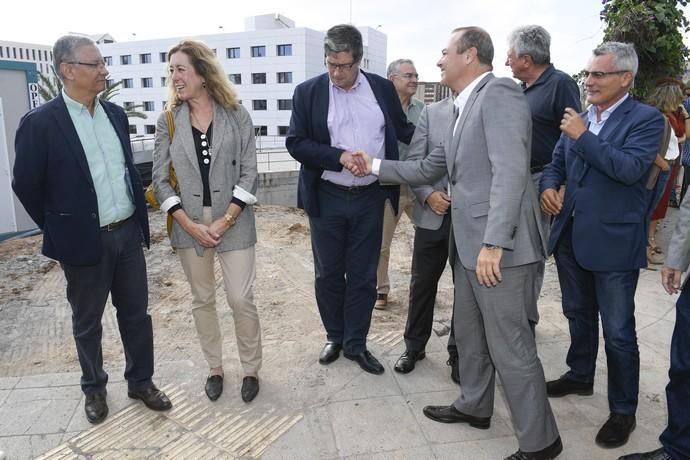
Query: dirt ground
{"type": "Point", "coordinates": [35, 326]}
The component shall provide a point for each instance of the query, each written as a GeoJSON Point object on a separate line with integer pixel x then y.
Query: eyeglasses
{"type": "Point", "coordinates": [600, 75]}
{"type": "Point", "coordinates": [332, 66]}
{"type": "Point", "coordinates": [93, 65]}
{"type": "Point", "coordinates": [409, 75]}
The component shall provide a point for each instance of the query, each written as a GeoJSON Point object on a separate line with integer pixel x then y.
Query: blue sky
{"type": "Point", "coordinates": [416, 29]}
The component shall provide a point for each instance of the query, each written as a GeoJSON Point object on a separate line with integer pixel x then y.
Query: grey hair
{"type": "Point", "coordinates": [624, 55]}
{"type": "Point", "coordinates": [476, 37]}
{"type": "Point", "coordinates": [394, 67]}
{"type": "Point", "coordinates": [531, 40]}
{"type": "Point", "coordinates": [344, 38]}
{"type": "Point", "coordinates": [65, 50]}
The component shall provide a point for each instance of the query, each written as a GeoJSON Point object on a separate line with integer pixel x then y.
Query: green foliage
{"type": "Point", "coordinates": [656, 29]}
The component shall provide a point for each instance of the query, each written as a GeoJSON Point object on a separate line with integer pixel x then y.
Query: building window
{"type": "Point", "coordinates": [132, 129]}
{"type": "Point", "coordinates": [126, 59]}
{"type": "Point", "coordinates": [109, 83]}
{"type": "Point", "coordinates": [284, 77]}
{"type": "Point", "coordinates": [258, 51]}
{"type": "Point", "coordinates": [163, 105]}
{"type": "Point", "coordinates": [148, 106]}
{"type": "Point", "coordinates": [163, 56]}
{"type": "Point", "coordinates": [233, 53]}
{"type": "Point", "coordinates": [33, 54]}
{"type": "Point", "coordinates": [108, 60]}
{"type": "Point", "coordinates": [21, 53]}
{"type": "Point", "coordinates": [260, 130]}
{"type": "Point", "coordinates": [259, 104]}
{"type": "Point", "coordinates": [259, 78]}
{"type": "Point", "coordinates": [145, 58]}
{"type": "Point", "coordinates": [147, 82]}
{"type": "Point", "coordinates": [283, 130]}
{"type": "Point", "coordinates": [14, 53]}
{"type": "Point", "coordinates": [365, 63]}
{"type": "Point", "coordinates": [163, 82]}
{"type": "Point", "coordinates": [215, 51]}
{"type": "Point", "coordinates": [284, 50]}
{"type": "Point", "coordinates": [2, 53]}
{"type": "Point", "coordinates": [284, 104]}
{"type": "Point", "coordinates": [128, 83]}
{"type": "Point", "coordinates": [235, 78]}
{"type": "Point", "coordinates": [128, 105]}
{"type": "Point", "coordinates": [150, 129]}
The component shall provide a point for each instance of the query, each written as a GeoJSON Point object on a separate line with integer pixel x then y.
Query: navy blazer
{"type": "Point", "coordinates": [309, 142]}
{"type": "Point", "coordinates": [605, 179]}
{"type": "Point", "coordinates": [53, 182]}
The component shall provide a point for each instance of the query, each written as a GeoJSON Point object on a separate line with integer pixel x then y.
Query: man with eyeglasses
{"type": "Point", "coordinates": [549, 92]}
{"type": "Point", "coordinates": [599, 233]}
{"type": "Point", "coordinates": [75, 175]}
{"type": "Point", "coordinates": [334, 115]}
{"type": "Point", "coordinates": [403, 74]}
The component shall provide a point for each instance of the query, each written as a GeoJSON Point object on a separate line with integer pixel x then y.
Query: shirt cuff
{"type": "Point", "coordinates": [170, 202]}
{"type": "Point", "coordinates": [375, 166]}
{"type": "Point", "coordinates": [243, 195]}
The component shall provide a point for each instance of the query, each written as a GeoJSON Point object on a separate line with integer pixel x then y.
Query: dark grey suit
{"type": "Point", "coordinates": [493, 202]}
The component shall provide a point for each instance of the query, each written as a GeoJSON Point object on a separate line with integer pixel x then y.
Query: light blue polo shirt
{"type": "Point", "coordinates": [106, 161]}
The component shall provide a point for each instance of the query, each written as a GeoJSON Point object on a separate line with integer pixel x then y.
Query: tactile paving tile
{"type": "Point", "coordinates": [189, 430]}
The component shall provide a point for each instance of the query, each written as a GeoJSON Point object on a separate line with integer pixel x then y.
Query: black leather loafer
{"type": "Point", "coordinates": [366, 361]}
{"type": "Point", "coordinates": [250, 388]}
{"type": "Point", "coordinates": [330, 352]}
{"type": "Point", "coordinates": [96, 407]}
{"type": "Point", "coordinates": [659, 454]}
{"type": "Point", "coordinates": [214, 387]}
{"type": "Point", "coordinates": [152, 397]}
{"type": "Point", "coordinates": [547, 453]}
{"type": "Point", "coordinates": [616, 431]}
{"type": "Point", "coordinates": [565, 386]}
{"type": "Point", "coordinates": [454, 369]}
{"type": "Point", "coordinates": [449, 414]}
{"type": "Point", "coordinates": [407, 360]}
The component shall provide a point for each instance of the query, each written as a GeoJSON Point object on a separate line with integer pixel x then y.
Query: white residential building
{"type": "Point", "coordinates": [265, 62]}
{"type": "Point", "coordinates": [41, 55]}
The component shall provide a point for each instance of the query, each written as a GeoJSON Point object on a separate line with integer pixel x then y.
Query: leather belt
{"type": "Point", "coordinates": [350, 188]}
{"type": "Point", "coordinates": [115, 225]}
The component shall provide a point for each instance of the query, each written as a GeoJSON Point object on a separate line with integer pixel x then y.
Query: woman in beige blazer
{"type": "Point", "coordinates": [213, 153]}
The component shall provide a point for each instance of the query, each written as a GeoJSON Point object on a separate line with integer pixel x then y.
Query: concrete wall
{"type": "Point", "coordinates": [278, 188]}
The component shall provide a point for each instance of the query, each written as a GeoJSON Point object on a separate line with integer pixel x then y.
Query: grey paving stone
{"type": "Point", "coordinates": [357, 426]}
{"type": "Point", "coordinates": [8, 383]}
{"type": "Point", "coordinates": [430, 374]}
{"type": "Point", "coordinates": [311, 438]}
{"type": "Point", "coordinates": [49, 380]}
{"type": "Point", "coordinates": [28, 447]}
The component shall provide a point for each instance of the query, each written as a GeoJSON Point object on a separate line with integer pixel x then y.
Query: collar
{"type": "Point", "coordinates": [465, 93]}
{"type": "Point", "coordinates": [592, 110]}
{"type": "Point", "coordinates": [75, 105]}
{"type": "Point", "coordinates": [540, 80]}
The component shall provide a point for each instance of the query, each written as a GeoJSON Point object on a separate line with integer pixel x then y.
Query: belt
{"type": "Point", "coordinates": [115, 225]}
{"type": "Point", "coordinates": [350, 188]}
{"type": "Point", "coordinates": [536, 169]}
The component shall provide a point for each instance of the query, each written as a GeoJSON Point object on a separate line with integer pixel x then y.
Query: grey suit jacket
{"type": "Point", "coordinates": [492, 198]}
{"type": "Point", "coordinates": [233, 162]}
{"type": "Point", "coordinates": [678, 254]}
{"type": "Point", "coordinates": [431, 133]}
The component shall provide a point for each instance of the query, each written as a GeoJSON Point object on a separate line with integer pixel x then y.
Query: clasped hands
{"type": "Point", "coordinates": [358, 162]}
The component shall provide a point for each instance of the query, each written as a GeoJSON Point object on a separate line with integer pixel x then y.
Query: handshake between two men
{"type": "Point", "coordinates": [358, 162]}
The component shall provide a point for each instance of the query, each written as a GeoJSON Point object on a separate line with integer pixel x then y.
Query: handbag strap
{"type": "Point", "coordinates": [666, 138]}
{"type": "Point", "coordinates": [171, 123]}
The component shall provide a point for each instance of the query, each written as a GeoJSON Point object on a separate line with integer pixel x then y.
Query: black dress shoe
{"type": "Point", "coordinates": [449, 414]}
{"type": "Point", "coordinates": [96, 407]}
{"type": "Point", "coordinates": [407, 360]}
{"type": "Point", "coordinates": [547, 453]}
{"type": "Point", "coordinates": [214, 387]}
{"type": "Point", "coordinates": [330, 352]}
{"type": "Point", "coordinates": [250, 388]}
{"type": "Point", "coordinates": [615, 431]}
{"type": "Point", "coordinates": [565, 386]}
{"type": "Point", "coordinates": [659, 454]}
{"type": "Point", "coordinates": [152, 397]}
{"type": "Point", "coordinates": [366, 361]}
{"type": "Point", "coordinates": [454, 369]}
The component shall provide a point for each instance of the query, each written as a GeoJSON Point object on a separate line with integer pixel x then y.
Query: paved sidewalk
{"type": "Point", "coordinates": [308, 411]}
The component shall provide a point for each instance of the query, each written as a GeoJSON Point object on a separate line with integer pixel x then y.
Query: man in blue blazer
{"type": "Point", "coordinates": [599, 233]}
{"type": "Point", "coordinates": [334, 115]}
{"type": "Point", "coordinates": [75, 175]}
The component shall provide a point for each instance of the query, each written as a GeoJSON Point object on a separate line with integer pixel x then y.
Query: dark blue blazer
{"type": "Point", "coordinates": [605, 179]}
{"type": "Point", "coordinates": [53, 182]}
{"type": "Point", "coordinates": [309, 142]}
